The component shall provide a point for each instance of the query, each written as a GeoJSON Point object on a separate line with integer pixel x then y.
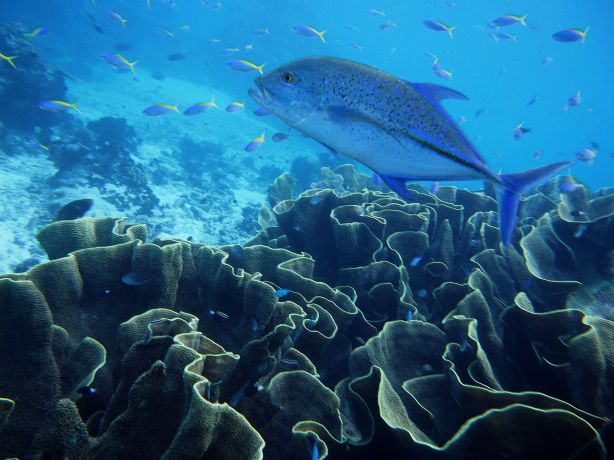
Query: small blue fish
{"type": "Point", "coordinates": [134, 279]}
{"type": "Point", "coordinates": [508, 20]}
{"type": "Point", "coordinates": [533, 100]}
{"type": "Point", "coordinates": [388, 25]}
{"type": "Point", "coordinates": [281, 293]}
{"type": "Point", "coordinates": [289, 362]}
{"type": "Point", "coordinates": [587, 154]}
{"type": "Point", "coordinates": [570, 185]}
{"type": "Point", "coordinates": [438, 70]}
{"type": "Point", "coordinates": [38, 32]}
{"type": "Point", "coordinates": [279, 137]}
{"type": "Point", "coordinates": [255, 143]}
{"type": "Point", "coordinates": [160, 108]}
{"type": "Point", "coordinates": [262, 112]}
{"type": "Point", "coordinates": [242, 65]}
{"type": "Point", "coordinates": [571, 35]}
{"type": "Point", "coordinates": [308, 31]}
{"type": "Point", "coordinates": [86, 390]}
{"type": "Point", "coordinates": [218, 315]}
{"type": "Point", "coordinates": [118, 61]}
{"type": "Point", "coordinates": [36, 146]}
{"type": "Point", "coordinates": [439, 26]}
{"type": "Point", "coordinates": [57, 106]}
{"type": "Point", "coordinates": [200, 107]}
{"type": "Point", "coordinates": [261, 32]}
{"type": "Point", "coordinates": [234, 106]}
{"type": "Point", "coordinates": [116, 17]}
{"type": "Point", "coordinates": [313, 446]}
{"type": "Point", "coordinates": [480, 112]}
{"type": "Point", "coordinates": [465, 346]}
{"type": "Point", "coordinates": [360, 340]}
{"type": "Point", "coordinates": [520, 131]}
{"type": "Point", "coordinates": [579, 233]}
{"type": "Point", "coordinates": [422, 293]}
{"type": "Point", "coordinates": [410, 315]}
{"type": "Point", "coordinates": [505, 36]}
{"type": "Point", "coordinates": [575, 100]}
{"type": "Point", "coordinates": [415, 261]}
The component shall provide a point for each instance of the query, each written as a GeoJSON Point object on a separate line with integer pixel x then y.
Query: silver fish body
{"type": "Point", "coordinates": [397, 128]}
{"type": "Point", "coordinates": [386, 123]}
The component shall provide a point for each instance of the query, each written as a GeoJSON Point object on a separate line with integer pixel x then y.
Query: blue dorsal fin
{"type": "Point", "coordinates": [435, 92]}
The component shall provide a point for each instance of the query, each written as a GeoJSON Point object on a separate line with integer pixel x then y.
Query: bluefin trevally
{"type": "Point", "coordinates": [397, 128]}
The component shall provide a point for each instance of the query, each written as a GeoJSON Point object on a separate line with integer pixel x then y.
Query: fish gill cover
{"type": "Point", "coordinates": [264, 298]}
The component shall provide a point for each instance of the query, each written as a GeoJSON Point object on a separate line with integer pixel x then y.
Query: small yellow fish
{"type": "Point", "coordinates": [9, 59]}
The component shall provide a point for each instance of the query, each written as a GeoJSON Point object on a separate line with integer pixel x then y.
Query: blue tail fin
{"type": "Point", "coordinates": [514, 185]}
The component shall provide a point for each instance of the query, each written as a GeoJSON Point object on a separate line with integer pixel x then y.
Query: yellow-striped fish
{"type": "Point", "coordinates": [255, 143]}
{"type": "Point", "coordinates": [9, 59]}
{"type": "Point", "coordinates": [57, 106]}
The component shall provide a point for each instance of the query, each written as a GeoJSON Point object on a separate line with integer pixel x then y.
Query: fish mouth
{"type": "Point", "coordinates": [260, 94]}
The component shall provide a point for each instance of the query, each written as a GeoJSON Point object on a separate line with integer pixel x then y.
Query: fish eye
{"type": "Point", "coordinates": [287, 77]}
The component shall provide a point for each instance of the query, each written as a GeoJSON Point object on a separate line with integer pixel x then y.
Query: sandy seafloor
{"type": "Point", "coordinates": [24, 178]}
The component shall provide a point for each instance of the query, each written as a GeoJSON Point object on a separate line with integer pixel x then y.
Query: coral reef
{"type": "Point", "coordinates": [101, 153]}
{"type": "Point", "coordinates": [31, 79]}
{"type": "Point", "coordinates": [356, 325]}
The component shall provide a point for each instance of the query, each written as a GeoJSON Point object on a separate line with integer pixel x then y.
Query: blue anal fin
{"type": "Point", "coordinates": [397, 184]}
{"type": "Point", "coordinates": [514, 185]}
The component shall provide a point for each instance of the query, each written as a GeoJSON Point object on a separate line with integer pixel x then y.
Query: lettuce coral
{"type": "Point", "coordinates": [357, 324]}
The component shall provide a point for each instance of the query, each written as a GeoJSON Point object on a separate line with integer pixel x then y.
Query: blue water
{"type": "Point", "coordinates": [200, 185]}
{"type": "Point", "coordinates": [500, 77]}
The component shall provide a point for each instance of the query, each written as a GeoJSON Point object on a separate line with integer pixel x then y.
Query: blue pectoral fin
{"type": "Point", "coordinates": [397, 184]}
{"type": "Point", "coordinates": [438, 93]}
{"type": "Point", "coordinates": [514, 185]}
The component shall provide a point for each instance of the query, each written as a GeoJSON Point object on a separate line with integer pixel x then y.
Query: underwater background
{"type": "Point", "coordinates": [182, 286]}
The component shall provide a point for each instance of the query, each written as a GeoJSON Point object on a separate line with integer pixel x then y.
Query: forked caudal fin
{"type": "Point", "coordinates": [514, 185]}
